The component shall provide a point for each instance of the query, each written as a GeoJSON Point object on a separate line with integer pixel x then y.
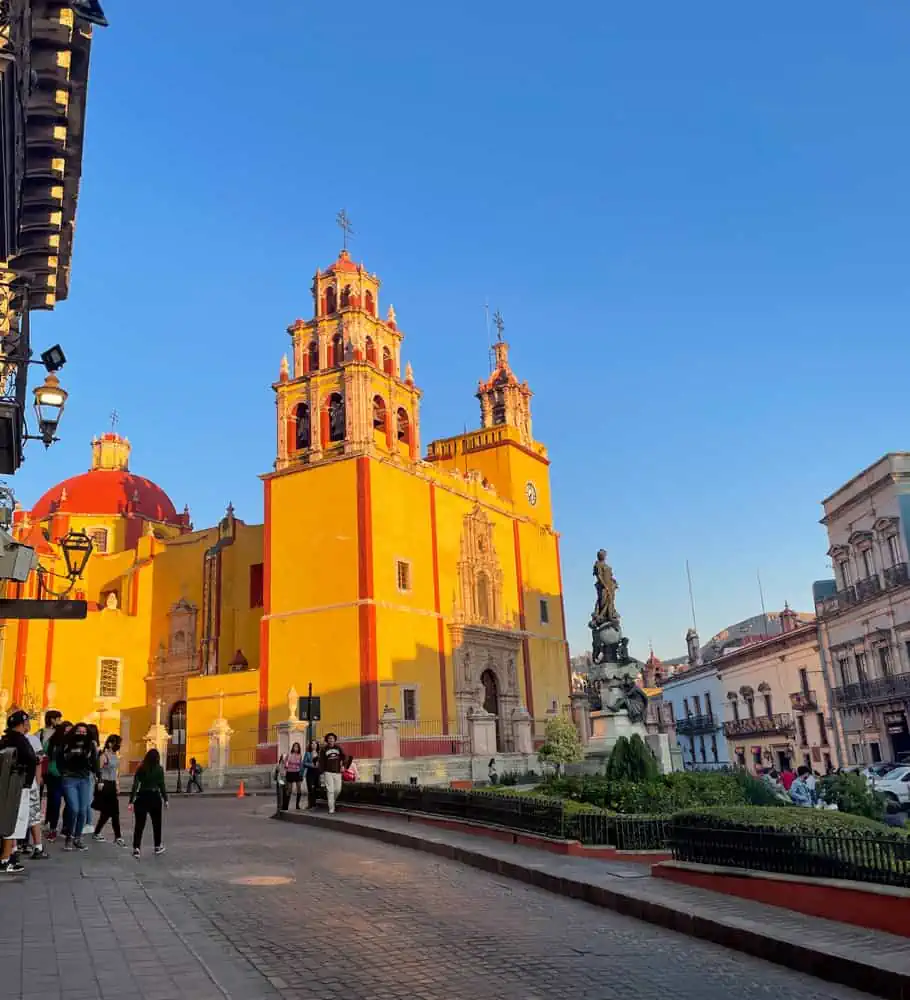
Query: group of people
{"type": "Point", "coordinates": [323, 764]}
{"type": "Point", "coordinates": [800, 786]}
{"type": "Point", "coordinates": [64, 769]}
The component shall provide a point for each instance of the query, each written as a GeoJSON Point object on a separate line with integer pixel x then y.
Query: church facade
{"type": "Point", "coordinates": [430, 584]}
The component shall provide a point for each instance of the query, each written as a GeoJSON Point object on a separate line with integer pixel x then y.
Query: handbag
{"type": "Point", "coordinates": [347, 774]}
{"type": "Point", "coordinates": [96, 798]}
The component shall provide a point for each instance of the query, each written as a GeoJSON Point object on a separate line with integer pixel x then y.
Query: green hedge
{"type": "Point", "coordinates": [785, 819]}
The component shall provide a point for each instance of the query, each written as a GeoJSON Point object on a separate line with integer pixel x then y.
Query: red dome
{"type": "Point", "coordinates": [107, 491]}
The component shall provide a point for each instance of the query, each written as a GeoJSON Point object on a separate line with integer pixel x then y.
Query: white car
{"type": "Point", "coordinates": [896, 785]}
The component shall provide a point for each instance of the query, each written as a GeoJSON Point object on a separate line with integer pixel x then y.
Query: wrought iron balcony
{"type": "Point", "coordinates": [896, 575]}
{"type": "Point", "coordinates": [838, 601]}
{"type": "Point", "coordinates": [691, 725]}
{"type": "Point", "coordinates": [803, 701]}
{"type": "Point", "coordinates": [870, 692]}
{"type": "Point", "coordinates": [868, 588]}
{"type": "Point", "coordinates": [762, 725]}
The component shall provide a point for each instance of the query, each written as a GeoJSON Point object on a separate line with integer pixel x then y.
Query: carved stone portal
{"type": "Point", "coordinates": [479, 574]}
{"type": "Point", "coordinates": [486, 676]}
{"type": "Point", "coordinates": [176, 660]}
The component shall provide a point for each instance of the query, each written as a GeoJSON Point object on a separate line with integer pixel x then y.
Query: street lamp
{"type": "Point", "coordinates": [77, 547]}
{"type": "Point", "coordinates": [49, 402]}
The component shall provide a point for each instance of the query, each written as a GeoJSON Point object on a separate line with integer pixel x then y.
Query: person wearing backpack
{"type": "Point", "coordinates": [195, 776]}
{"type": "Point", "coordinates": [79, 771]}
{"type": "Point", "coordinates": [53, 749]}
{"type": "Point", "coordinates": [16, 738]}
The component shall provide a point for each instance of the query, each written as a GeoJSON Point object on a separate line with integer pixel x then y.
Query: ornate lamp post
{"type": "Point", "coordinates": [50, 399]}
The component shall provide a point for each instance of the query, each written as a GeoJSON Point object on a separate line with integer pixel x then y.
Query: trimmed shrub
{"type": "Point", "coordinates": [631, 760]}
{"type": "Point", "coordinates": [784, 819]}
{"type": "Point", "coordinates": [851, 793]}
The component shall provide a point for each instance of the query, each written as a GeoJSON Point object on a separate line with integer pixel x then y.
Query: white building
{"type": "Point", "coordinates": [864, 614]}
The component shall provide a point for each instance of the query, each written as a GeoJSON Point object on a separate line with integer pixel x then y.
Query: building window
{"type": "Point", "coordinates": [409, 704]}
{"type": "Point", "coordinates": [894, 550]}
{"type": "Point", "coordinates": [313, 365]}
{"type": "Point", "coordinates": [804, 681]}
{"type": "Point", "coordinates": [822, 729]}
{"type": "Point", "coordinates": [734, 704]}
{"type": "Point", "coordinates": [330, 300]}
{"type": "Point", "coordinates": [371, 350]}
{"type": "Point", "coordinates": [769, 707]}
{"type": "Point", "coordinates": [544, 612]}
{"type": "Point", "coordinates": [368, 302]}
{"type": "Point", "coordinates": [403, 575]}
{"type": "Point", "coordinates": [856, 751]}
{"type": "Point", "coordinates": [257, 580]}
{"type": "Point", "coordinates": [337, 350]}
{"type": "Point", "coordinates": [345, 296]}
{"type": "Point", "coordinates": [704, 753]}
{"type": "Point", "coordinates": [697, 702]}
{"type": "Point", "coordinates": [99, 540]}
{"type": "Point", "coordinates": [801, 728]}
{"type": "Point", "coordinates": [379, 414]}
{"type": "Point", "coordinates": [714, 752]}
{"type": "Point", "coordinates": [404, 426]}
{"type": "Point", "coordinates": [709, 708]}
{"type": "Point", "coordinates": [109, 678]}
{"type": "Point", "coordinates": [387, 361]}
{"type": "Point", "coordinates": [875, 751]}
{"type": "Point", "coordinates": [843, 668]}
{"type": "Point", "coordinates": [829, 766]}
{"type": "Point", "coordinates": [884, 660]}
{"type": "Point", "coordinates": [861, 673]}
{"type": "Point", "coordinates": [302, 427]}
{"type": "Point", "coordinates": [750, 704]}
{"type": "Point", "coordinates": [688, 712]}
{"type": "Point", "coordinates": [845, 576]}
{"type": "Point", "coordinates": [336, 417]}
{"type": "Point", "coordinates": [868, 564]}
{"type": "Point", "coordinates": [499, 407]}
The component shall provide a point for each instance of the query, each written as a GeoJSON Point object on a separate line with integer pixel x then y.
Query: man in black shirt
{"type": "Point", "coordinates": [331, 763]}
{"type": "Point", "coordinates": [26, 762]}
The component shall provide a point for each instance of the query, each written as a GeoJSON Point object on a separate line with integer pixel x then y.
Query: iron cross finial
{"type": "Point", "coordinates": [499, 324]}
{"type": "Point", "coordinates": [115, 419]}
{"type": "Point", "coordinates": [344, 224]}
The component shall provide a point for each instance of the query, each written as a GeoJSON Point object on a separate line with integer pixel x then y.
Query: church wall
{"type": "Point", "coordinates": [241, 709]}
{"type": "Point", "coordinates": [239, 622]}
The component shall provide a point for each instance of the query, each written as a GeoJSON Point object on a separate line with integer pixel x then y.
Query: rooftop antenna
{"type": "Point", "coordinates": [764, 616]}
{"type": "Point", "coordinates": [691, 597]}
{"type": "Point", "coordinates": [344, 224]}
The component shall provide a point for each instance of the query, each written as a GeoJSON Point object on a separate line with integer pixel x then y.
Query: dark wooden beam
{"type": "Point", "coordinates": [14, 608]}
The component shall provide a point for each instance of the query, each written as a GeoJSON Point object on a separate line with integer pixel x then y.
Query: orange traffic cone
{"type": "Point", "coordinates": [241, 793]}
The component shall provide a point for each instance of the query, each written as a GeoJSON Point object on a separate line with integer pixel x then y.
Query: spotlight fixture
{"type": "Point", "coordinates": [53, 358]}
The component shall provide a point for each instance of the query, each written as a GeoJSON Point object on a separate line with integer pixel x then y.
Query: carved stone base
{"type": "Point", "coordinates": [607, 727]}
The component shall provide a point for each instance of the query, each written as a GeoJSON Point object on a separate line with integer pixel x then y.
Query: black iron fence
{"type": "Point", "coordinates": [855, 856]}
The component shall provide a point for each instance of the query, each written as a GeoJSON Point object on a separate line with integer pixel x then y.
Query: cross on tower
{"type": "Point", "coordinates": [344, 224]}
{"type": "Point", "coordinates": [115, 419]}
{"type": "Point", "coordinates": [499, 324]}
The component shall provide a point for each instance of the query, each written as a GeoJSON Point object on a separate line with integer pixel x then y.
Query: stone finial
{"type": "Point", "coordinates": [64, 496]}
{"type": "Point", "coordinates": [390, 318]}
{"type": "Point", "coordinates": [284, 370]}
{"type": "Point", "coordinates": [409, 374]}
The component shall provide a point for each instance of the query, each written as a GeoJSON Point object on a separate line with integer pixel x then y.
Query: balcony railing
{"type": "Point", "coordinates": [803, 701]}
{"type": "Point", "coordinates": [693, 724]}
{"type": "Point", "coordinates": [867, 588]}
{"type": "Point", "coordinates": [870, 692]}
{"type": "Point", "coordinates": [897, 575]}
{"type": "Point", "coordinates": [762, 725]}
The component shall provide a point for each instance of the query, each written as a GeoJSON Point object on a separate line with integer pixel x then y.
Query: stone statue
{"type": "Point", "coordinates": [293, 704]}
{"type": "Point", "coordinates": [606, 587]}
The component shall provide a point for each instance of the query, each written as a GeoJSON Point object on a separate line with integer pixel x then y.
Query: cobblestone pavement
{"type": "Point", "coordinates": [245, 908]}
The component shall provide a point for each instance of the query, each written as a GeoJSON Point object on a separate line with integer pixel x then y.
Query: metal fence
{"type": "Point", "coordinates": [431, 738]}
{"type": "Point", "coordinates": [854, 856]}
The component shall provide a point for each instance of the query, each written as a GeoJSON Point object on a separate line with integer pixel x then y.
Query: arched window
{"type": "Point", "coordinates": [387, 361]}
{"type": "Point", "coordinates": [368, 302]}
{"type": "Point", "coordinates": [404, 426]}
{"type": "Point", "coordinates": [336, 417]}
{"type": "Point", "coordinates": [176, 748]}
{"type": "Point", "coordinates": [337, 350]}
{"type": "Point", "coordinates": [314, 356]}
{"type": "Point", "coordinates": [499, 408]}
{"type": "Point", "coordinates": [371, 350]}
{"type": "Point", "coordinates": [302, 427]}
{"type": "Point", "coordinates": [379, 414]}
{"type": "Point", "coordinates": [345, 296]}
{"type": "Point", "coordinates": [330, 300]}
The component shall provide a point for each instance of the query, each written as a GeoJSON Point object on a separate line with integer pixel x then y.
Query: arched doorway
{"type": "Point", "coordinates": [176, 748]}
{"type": "Point", "coordinates": [491, 701]}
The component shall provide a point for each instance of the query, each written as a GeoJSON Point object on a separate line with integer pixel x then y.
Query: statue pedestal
{"type": "Point", "coordinates": [291, 732]}
{"type": "Point", "coordinates": [607, 727]}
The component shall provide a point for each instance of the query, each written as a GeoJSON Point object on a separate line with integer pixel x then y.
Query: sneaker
{"type": "Point", "coordinates": [120, 842]}
{"type": "Point", "coordinates": [11, 868]}
{"type": "Point", "coordinates": [79, 846]}
{"type": "Point", "coordinates": [160, 850]}
{"type": "Point", "coordinates": [39, 854]}
{"type": "Point", "coordinates": [136, 853]}
{"type": "Point", "coordinates": [99, 838]}
{"type": "Point", "coordinates": [51, 837]}
{"type": "Point", "coordinates": [68, 845]}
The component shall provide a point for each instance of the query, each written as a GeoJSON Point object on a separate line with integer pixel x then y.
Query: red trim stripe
{"type": "Point", "coordinates": [22, 590]}
{"type": "Point", "coordinates": [266, 609]}
{"type": "Point", "coordinates": [369, 673]}
{"type": "Point", "coordinates": [48, 659]}
{"type": "Point", "coordinates": [522, 623]}
{"type": "Point", "coordinates": [440, 629]}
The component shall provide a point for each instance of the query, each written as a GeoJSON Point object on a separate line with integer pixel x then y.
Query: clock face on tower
{"type": "Point", "coordinates": [531, 491]}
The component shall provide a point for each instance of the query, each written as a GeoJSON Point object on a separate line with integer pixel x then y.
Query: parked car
{"type": "Point", "coordinates": [875, 772]}
{"type": "Point", "coordinates": [895, 785]}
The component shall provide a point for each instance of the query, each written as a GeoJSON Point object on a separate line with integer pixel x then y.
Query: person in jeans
{"type": "Point", "coordinates": [331, 763]}
{"type": "Point", "coordinates": [311, 772]}
{"type": "Point", "coordinates": [53, 749]}
{"type": "Point", "coordinates": [16, 738]}
{"type": "Point", "coordinates": [79, 770]}
{"type": "Point", "coordinates": [107, 800]}
{"type": "Point", "coordinates": [146, 799]}
{"type": "Point", "coordinates": [195, 776]}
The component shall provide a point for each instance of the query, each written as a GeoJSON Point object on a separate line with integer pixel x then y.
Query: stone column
{"type": "Point", "coordinates": [157, 737]}
{"type": "Point", "coordinates": [521, 731]}
{"type": "Point", "coordinates": [390, 728]}
{"type": "Point", "coordinates": [482, 727]}
{"type": "Point", "coordinates": [581, 716]}
{"type": "Point", "coordinates": [219, 750]}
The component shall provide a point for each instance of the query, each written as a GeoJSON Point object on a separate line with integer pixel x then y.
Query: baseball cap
{"type": "Point", "coordinates": [17, 718]}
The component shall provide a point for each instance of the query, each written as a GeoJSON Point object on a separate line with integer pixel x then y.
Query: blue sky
{"type": "Point", "coordinates": [693, 217]}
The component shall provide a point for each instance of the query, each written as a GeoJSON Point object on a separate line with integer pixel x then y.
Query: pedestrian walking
{"type": "Point", "coordinates": [331, 764]}
{"type": "Point", "coordinates": [147, 797]}
{"type": "Point", "coordinates": [311, 772]}
{"type": "Point", "coordinates": [79, 770]}
{"type": "Point", "coordinates": [16, 738]}
{"type": "Point", "coordinates": [293, 775]}
{"type": "Point", "coordinates": [107, 794]}
{"type": "Point", "coordinates": [195, 776]}
{"type": "Point", "coordinates": [53, 749]}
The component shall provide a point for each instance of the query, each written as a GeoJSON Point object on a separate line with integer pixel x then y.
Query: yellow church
{"type": "Point", "coordinates": [427, 585]}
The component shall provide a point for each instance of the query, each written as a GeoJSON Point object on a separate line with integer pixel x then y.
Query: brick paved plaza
{"type": "Point", "coordinates": [334, 916]}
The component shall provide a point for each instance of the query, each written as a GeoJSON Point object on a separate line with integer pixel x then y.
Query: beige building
{"type": "Point", "coordinates": [864, 613]}
{"type": "Point", "coordinates": [775, 708]}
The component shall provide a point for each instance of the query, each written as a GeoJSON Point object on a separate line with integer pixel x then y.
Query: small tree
{"type": "Point", "coordinates": [562, 744]}
{"type": "Point", "coordinates": [631, 760]}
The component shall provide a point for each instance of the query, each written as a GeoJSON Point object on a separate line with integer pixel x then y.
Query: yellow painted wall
{"type": "Point", "coordinates": [241, 701]}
